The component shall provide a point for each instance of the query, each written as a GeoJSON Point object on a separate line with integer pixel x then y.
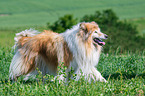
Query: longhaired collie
{"type": "Point", "coordinates": [78, 48]}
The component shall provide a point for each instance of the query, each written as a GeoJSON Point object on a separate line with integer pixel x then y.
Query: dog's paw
{"type": "Point", "coordinates": [103, 80]}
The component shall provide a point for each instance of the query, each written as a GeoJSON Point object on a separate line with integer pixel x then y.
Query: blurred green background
{"type": "Point", "coordinates": [17, 15]}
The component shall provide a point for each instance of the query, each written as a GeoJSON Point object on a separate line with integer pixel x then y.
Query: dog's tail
{"type": "Point", "coordinates": [18, 65]}
{"type": "Point", "coordinates": [26, 33]}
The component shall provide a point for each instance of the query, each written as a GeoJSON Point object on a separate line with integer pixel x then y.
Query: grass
{"type": "Point", "coordinates": [21, 13]}
{"type": "Point", "coordinates": [16, 14]}
{"type": "Point", "coordinates": [125, 75]}
{"type": "Point", "coordinates": [7, 34]}
{"type": "Point", "coordinates": [114, 87]}
{"type": "Point", "coordinates": [6, 38]}
{"type": "Point", "coordinates": [140, 22]}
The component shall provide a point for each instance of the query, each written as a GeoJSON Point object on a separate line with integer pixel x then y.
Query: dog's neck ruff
{"type": "Point", "coordinates": [79, 50]}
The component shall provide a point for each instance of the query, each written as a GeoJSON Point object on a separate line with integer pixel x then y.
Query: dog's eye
{"type": "Point", "coordinates": [96, 31]}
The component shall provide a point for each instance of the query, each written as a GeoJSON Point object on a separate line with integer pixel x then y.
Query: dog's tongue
{"type": "Point", "coordinates": [99, 41]}
{"type": "Point", "coordinates": [102, 43]}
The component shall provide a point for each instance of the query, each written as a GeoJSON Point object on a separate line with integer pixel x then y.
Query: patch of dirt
{"type": "Point", "coordinates": [4, 15]}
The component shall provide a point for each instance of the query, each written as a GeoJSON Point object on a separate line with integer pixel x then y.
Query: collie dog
{"type": "Point", "coordinates": [78, 48]}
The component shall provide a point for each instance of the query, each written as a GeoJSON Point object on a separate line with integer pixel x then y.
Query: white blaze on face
{"type": "Point", "coordinates": [98, 34]}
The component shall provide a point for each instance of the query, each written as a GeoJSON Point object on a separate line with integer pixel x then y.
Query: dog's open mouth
{"type": "Point", "coordinates": [98, 41]}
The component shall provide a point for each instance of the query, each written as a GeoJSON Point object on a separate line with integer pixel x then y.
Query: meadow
{"type": "Point", "coordinates": [16, 13]}
{"type": "Point", "coordinates": [125, 73]}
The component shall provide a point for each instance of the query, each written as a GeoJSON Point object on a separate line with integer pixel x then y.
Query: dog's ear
{"type": "Point", "coordinates": [84, 31]}
{"type": "Point", "coordinates": [83, 26]}
{"type": "Point", "coordinates": [93, 22]}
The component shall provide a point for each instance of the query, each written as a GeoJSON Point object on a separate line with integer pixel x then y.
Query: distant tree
{"type": "Point", "coordinates": [106, 17]}
{"type": "Point", "coordinates": [121, 33]}
{"type": "Point", "coordinates": [63, 23]}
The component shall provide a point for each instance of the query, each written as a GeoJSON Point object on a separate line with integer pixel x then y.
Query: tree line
{"type": "Point", "coordinates": [122, 34]}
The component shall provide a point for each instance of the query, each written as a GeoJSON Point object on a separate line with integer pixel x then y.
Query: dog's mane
{"type": "Point", "coordinates": [79, 50]}
{"type": "Point", "coordinates": [73, 30]}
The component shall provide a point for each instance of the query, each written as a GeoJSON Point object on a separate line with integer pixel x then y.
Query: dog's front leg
{"type": "Point", "coordinates": [60, 76]}
{"type": "Point", "coordinates": [98, 75]}
{"type": "Point", "coordinates": [63, 75]}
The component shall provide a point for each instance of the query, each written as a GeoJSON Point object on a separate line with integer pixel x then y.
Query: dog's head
{"type": "Point", "coordinates": [91, 32]}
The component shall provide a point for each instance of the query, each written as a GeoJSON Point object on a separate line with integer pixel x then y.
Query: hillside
{"type": "Point", "coordinates": [17, 13]}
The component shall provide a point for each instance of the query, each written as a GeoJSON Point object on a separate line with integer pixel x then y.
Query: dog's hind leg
{"type": "Point", "coordinates": [31, 75]}
{"type": "Point", "coordinates": [15, 67]}
{"type": "Point", "coordinates": [20, 66]}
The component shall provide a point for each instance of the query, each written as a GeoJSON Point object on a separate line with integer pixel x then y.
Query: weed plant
{"type": "Point", "coordinates": [125, 75]}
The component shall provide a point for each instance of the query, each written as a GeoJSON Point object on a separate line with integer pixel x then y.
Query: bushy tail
{"type": "Point", "coordinates": [18, 66]}
{"type": "Point", "coordinates": [26, 33]}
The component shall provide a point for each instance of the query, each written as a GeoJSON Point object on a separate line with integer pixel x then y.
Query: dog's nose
{"type": "Point", "coordinates": [106, 36]}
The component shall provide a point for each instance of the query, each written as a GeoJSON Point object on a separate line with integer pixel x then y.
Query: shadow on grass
{"type": "Point", "coordinates": [124, 75]}
{"type": "Point", "coordinates": [21, 81]}
{"type": "Point", "coordinates": [29, 81]}
{"type": "Point", "coordinates": [117, 75]}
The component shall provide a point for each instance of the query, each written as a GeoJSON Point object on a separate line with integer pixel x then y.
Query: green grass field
{"type": "Point", "coordinates": [140, 25]}
{"type": "Point", "coordinates": [14, 13]}
{"type": "Point", "coordinates": [21, 13]}
{"type": "Point", "coordinates": [125, 75]}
